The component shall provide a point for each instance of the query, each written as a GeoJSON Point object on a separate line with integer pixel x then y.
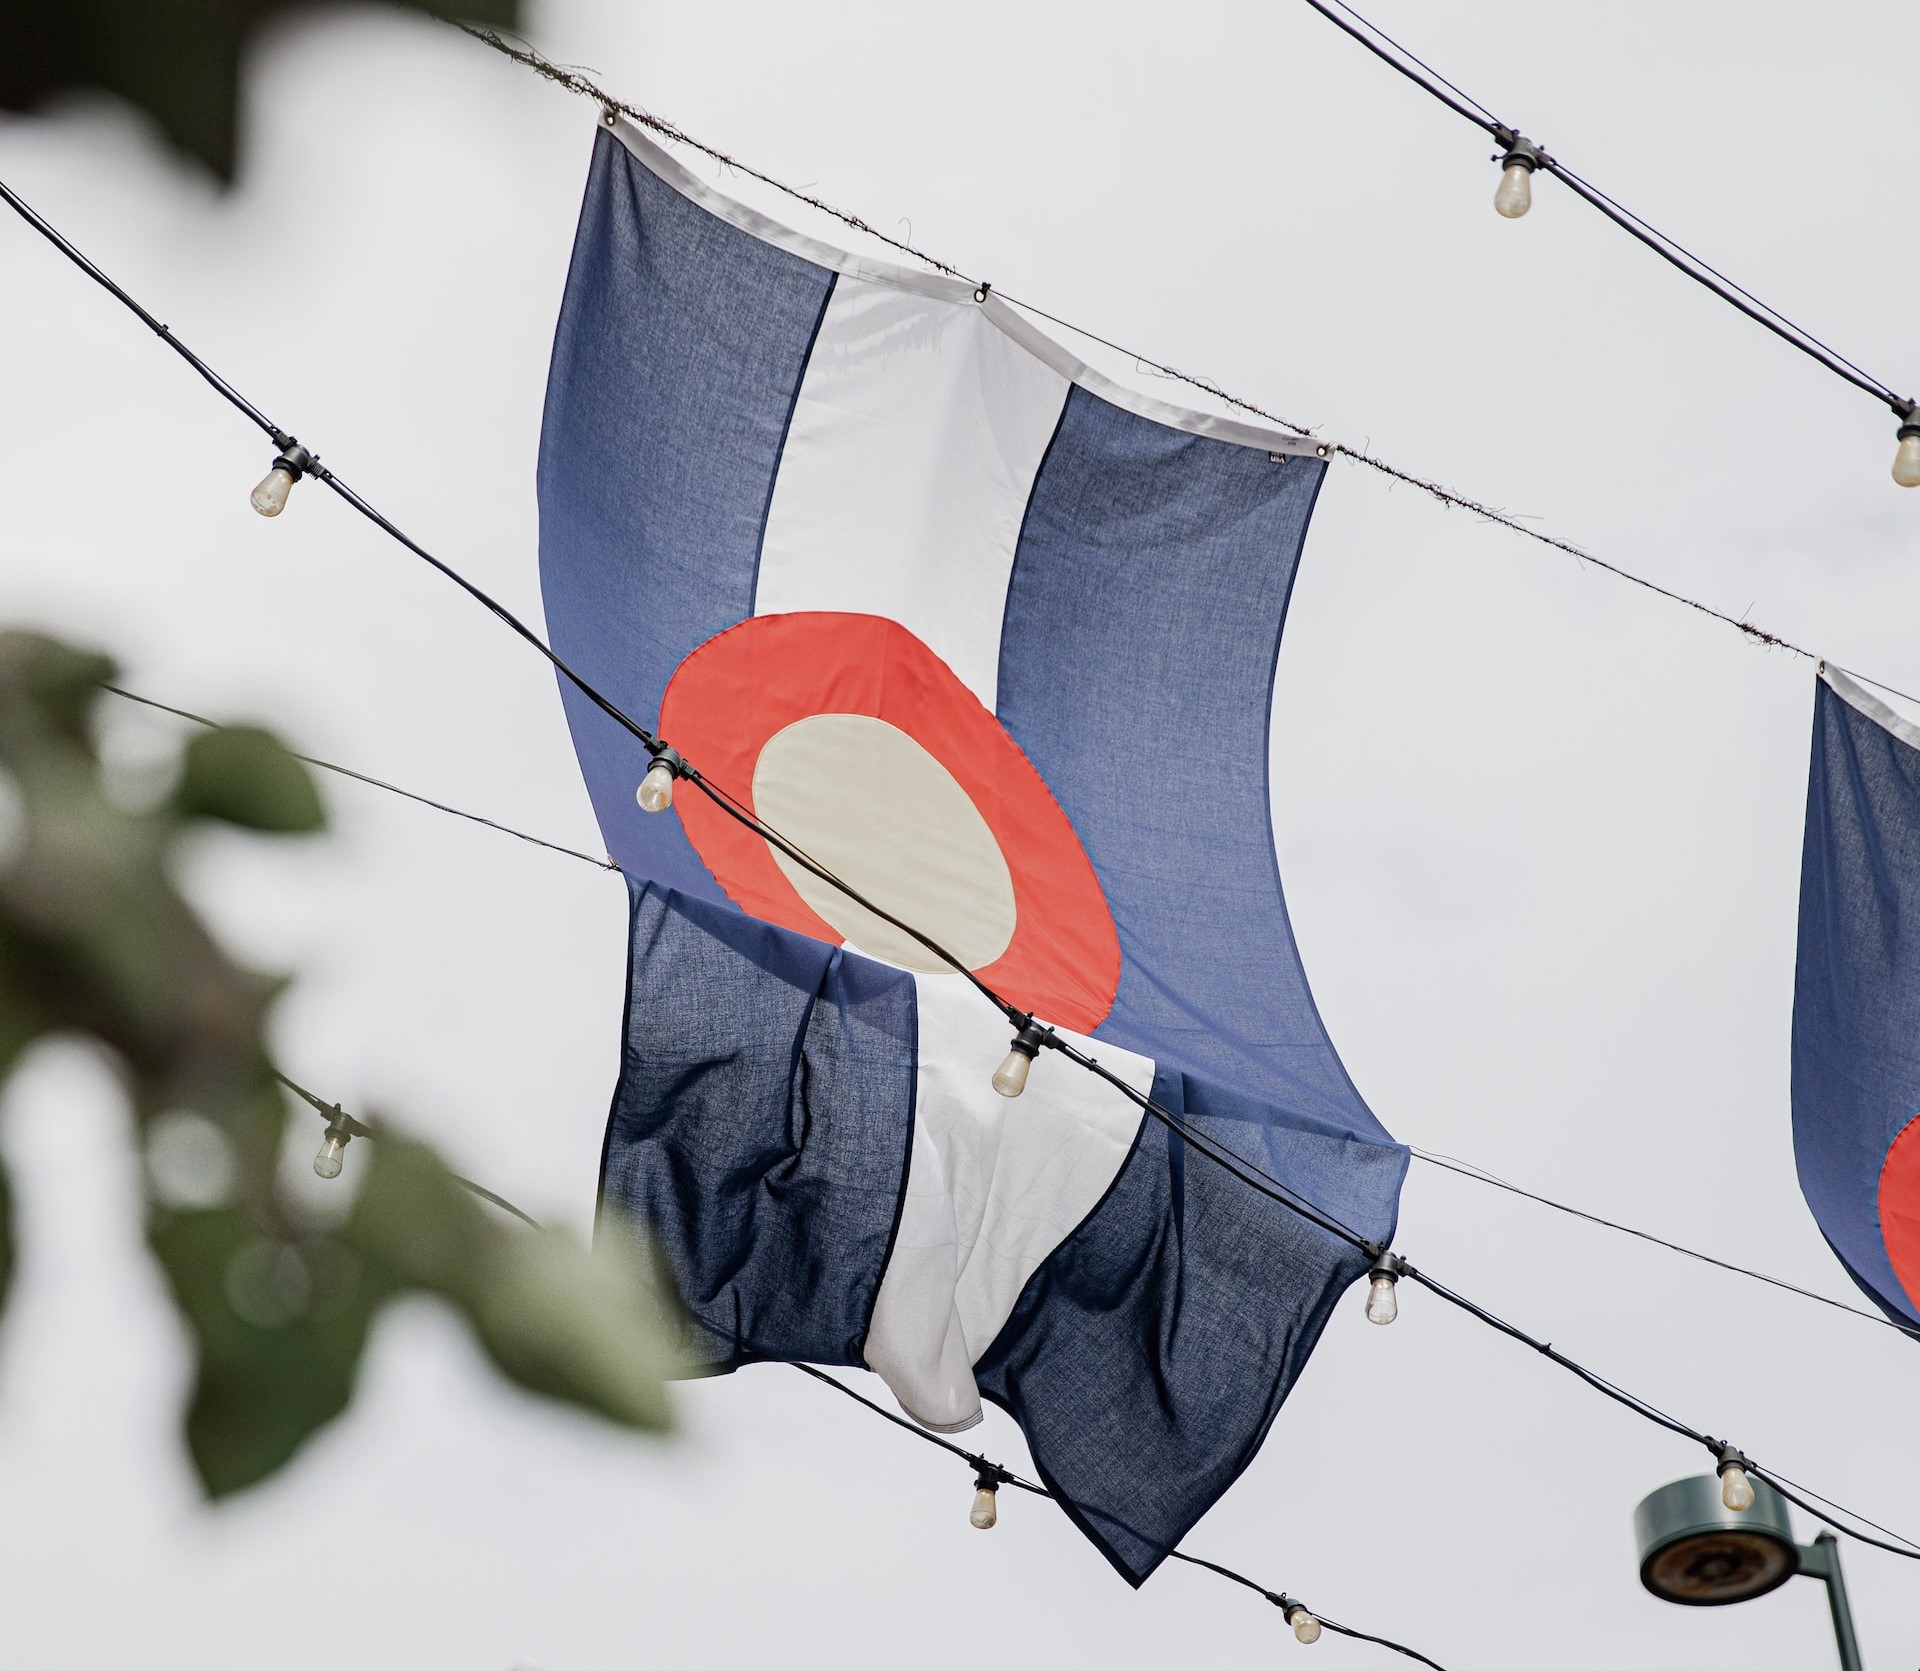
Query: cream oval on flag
{"type": "Point", "coordinates": [852, 739]}
{"type": "Point", "coordinates": [862, 798]}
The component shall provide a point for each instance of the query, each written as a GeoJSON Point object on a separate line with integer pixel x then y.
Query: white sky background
{"type": "Point", "coordinates": [1540, 831]}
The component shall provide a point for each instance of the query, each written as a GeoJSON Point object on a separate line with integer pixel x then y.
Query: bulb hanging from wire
{"type": "Point", "coordinates": [1306, 1628]}
{"type": "Point", "coordinates": [986, 1501]}
{"type": "Point", "coordinates": [1736, 1490]}
{"type": "Point", "coordinates": [1513, 197]}
{"type": "Point", "coordinates": [1906, 457]}
{"type": "Point", "coordinates": [270, 497]}
{"type": "Point", "coordinates": [1383, 1305]}
{"type": "Point", "coordinates": [328, 1161]}
{"type": "Point", "coordinates": [1010, 1078]}
{"type": "Point", "coordinates": [655, 793]}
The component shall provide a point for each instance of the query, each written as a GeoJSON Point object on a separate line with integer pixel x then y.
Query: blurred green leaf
{"type": "Point", "coordinates": [244, 775]}
{"type": "Point", "coordinates": [577, 1323]}
{"type": "Point", "coordinates": [280, 1326]}
{"type": "Point", "coordinates": [95, 938]}
{"type": "Point", "coordinates": [556, 1316]}
{"type": "Point", "coordinates": [6, 1234]}
{"type": "Point", "coordinates": [178, 60]}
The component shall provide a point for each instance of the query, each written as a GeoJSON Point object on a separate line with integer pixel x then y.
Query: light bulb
{"type": "Point", "coordinates": [1383, 1305]}
{"type": "Point", "coordinates": [1513, 197]}
{"type": "Point", "coordinates": [1010, 1078]}
{"type": "Point", "coordinates": [1736, 1490]}
{"type": "Point", "coordinates": [986, 1509]}
{"type": "Point", "coordinates": [1906, 461]}
{"type": "Point", "coordinates": [655, 793]}
{"type": "Point", "coordinates": [1306, 1628]}
{"type": "Point", "coordinates": [270, 497]}
{"type": "Point", "coordinates": [327, 1163]}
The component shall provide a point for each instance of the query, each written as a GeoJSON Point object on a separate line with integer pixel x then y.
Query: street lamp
{"type": "Point", "coordinates": [1697, 1552]}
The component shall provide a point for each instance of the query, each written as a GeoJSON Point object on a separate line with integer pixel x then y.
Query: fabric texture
{"type": "Point", "coordinates": [1141, 1416]}
{"type": "Point", "coordinates": [1136, 671]}
{"type": "Point", "coordinates": [676, 364]}
{"type": "Point", "coordinates": [761, 1126]}
{"type": "Point", "coordinates": [1856, 1007]}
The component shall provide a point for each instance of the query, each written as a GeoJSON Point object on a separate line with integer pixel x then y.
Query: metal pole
{"type": "Point", "coordinates": [1821, 1559]}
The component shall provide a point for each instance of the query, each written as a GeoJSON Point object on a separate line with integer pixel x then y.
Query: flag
{"type": "Point", "coordinates": [1856, 1002]}
{"type": "Point", "coordinates": [994, 640]}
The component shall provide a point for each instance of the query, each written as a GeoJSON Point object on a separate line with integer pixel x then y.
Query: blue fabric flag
{"type": "Point", "coordinates": [1856, 1006]}
{"type": "Point", "coordinates": [994, 640]}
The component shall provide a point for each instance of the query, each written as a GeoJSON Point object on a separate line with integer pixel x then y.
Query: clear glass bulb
{"type": "Point", "coordinates": [986, 1510]}
{"type": "Point", "coordinates": [327, 1163]}
{"type": "Point", "coordinates": [1306, 1628]}
{"type": "Point", "coordinates": [270, 497]}
{"type": "Point", "coordinates": [1513, 197]}
{"type": "Point", "coordinates": [1010, 1078]}
{"type": "Point", "coordinates": [655, 793]}
{"type": "Point", "coordinates": [1383, 1305]}
{"type": "Point", "coordinates": [1736, 1490]}
{"type": "Point", "coordinates": [1906, 461]}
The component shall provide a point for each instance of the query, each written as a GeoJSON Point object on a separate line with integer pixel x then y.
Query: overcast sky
{"type": "Point", "coordinates": [1540, 831]}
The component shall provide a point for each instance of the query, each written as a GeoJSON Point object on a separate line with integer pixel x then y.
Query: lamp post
{"type": "Point", "coordinates": [1696, 1552]}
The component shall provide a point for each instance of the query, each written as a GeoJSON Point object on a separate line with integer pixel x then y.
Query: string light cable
{"type": "Point", "coordinates": [378, 783]}
{"type": "Point", "coordinates": [1520, 158]}
{"type": "Point", "coordinates": [1386, 1271]}
{"type": "Point", "coordinates": [667, 766]}
{"type": "Point", "coordinates": [989, 1476]}
{"type": "Point", "coordinates": [1480, 1175]}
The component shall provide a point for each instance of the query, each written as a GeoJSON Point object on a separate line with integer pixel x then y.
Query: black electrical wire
{"type": "Point", "coordinates": [1480, 1175]}
{"type": "Point", "coordinates": [379, 783]}
{"type": "Point", "coordinates": [351, 1127]}
{"type": "Point", "coordinates": [1650, 1412]}
{"type": "Point", "coordinates": [1286, 1602]}
{"type": "Point", "coordinates": [52, 234]}
{"type": "Point", "coordinates": [1006, 1476]}
{"type": "Point", "coordinates": [1668, 249]}
{"type": "Point", "coordinates": [1789, 1490]}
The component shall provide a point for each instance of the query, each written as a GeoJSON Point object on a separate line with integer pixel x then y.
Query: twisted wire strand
{"type": "Point", "coordinates": [1430, 81]}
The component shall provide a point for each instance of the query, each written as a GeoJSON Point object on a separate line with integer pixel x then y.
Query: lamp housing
{"type": "Point", "coordinates": [1696, 1552]}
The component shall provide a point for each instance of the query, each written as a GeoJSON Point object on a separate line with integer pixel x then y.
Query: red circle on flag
{"type": "Point", "coordinates": [1900, 1207]}
{"type": "Point", "coordinates": [747, 686]}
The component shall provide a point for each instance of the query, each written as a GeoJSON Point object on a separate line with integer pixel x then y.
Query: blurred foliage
{"type": "Point", "coordinates": [96, 939]}
{"type": "Point", "coordinates": [178, 60]}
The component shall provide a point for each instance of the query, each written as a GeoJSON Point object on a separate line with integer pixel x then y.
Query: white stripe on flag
{"type": "Point", "coordinates": [914, 443]}
{"type": "Point", "coordinates": [994, 1185]}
